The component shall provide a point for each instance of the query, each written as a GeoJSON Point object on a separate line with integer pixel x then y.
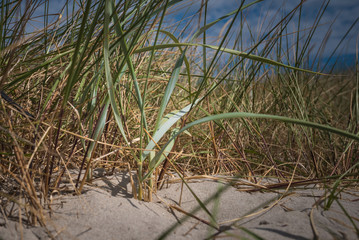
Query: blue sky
{"type": "Point", "coordinates": [337, 19]}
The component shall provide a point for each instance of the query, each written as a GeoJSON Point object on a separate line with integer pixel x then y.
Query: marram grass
{"type": "Point", "coordinates": [112, 84]}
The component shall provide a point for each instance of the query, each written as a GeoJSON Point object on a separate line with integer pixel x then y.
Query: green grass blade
{"type": "Point", "coordinates": [255, 115]}
{"type": "Point", "coordinates": [106, 56]}
{"type": "Point", "coordinates": [73, 71]}
{"type": "Point", "coordinates": [170, 87]}
{"type": "Point", "coordinates": [166, 123]}
{"type": "Point", "coordinates": [166, 150]}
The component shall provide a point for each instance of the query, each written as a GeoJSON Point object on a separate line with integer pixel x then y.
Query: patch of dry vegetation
{"type": "Point", "coordinates": [98, 88]}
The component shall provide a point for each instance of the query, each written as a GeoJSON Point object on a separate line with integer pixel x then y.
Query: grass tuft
{"type": "Point", "coordinates": [128, 85]}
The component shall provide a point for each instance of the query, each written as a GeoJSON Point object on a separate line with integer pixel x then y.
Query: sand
{"type": "Point", "coordinates": [107, 210]}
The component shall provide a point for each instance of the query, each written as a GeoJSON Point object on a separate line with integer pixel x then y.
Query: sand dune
{"type": "Point", "coordinates": [107, 210]}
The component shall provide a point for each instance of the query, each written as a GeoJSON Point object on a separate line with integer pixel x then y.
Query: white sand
{"type": "Point", "coordinates": [107, 210]}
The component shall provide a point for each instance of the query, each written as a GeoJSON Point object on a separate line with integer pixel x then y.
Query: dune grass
{"type": "Point", "coordinates": [115, 84]}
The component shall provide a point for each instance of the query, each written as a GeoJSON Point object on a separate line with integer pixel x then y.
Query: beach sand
{"type": "Point", "coordinates": [107, 210]}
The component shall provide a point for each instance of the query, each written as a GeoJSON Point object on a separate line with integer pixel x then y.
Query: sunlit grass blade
{"type": "Point", "coordinates": [165, 124]}
{"type": "Point", "coordinates": [254, 115]}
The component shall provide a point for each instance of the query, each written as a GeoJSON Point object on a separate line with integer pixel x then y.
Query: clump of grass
{"type": "Point", "coordinates": [112, 84]}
